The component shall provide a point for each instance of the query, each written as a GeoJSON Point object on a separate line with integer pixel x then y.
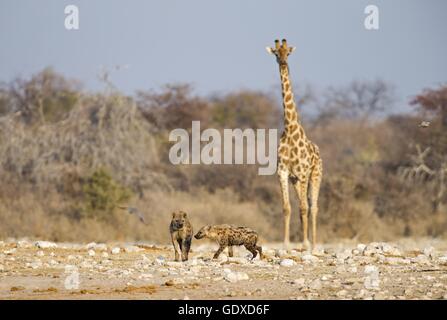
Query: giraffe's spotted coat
{"type": "Point", "coordinates": [299, 158]}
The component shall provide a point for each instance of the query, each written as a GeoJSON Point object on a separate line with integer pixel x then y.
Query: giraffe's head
{"type": "Point", "coordinates": [281, 51]}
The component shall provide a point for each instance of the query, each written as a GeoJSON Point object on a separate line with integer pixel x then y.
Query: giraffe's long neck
{"type": "Point", "coordinates": [291, 115]}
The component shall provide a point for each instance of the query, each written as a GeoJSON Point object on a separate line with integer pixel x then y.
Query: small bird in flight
{"type": "Point", "coordinates": [135, 211]}
{"type": "Point", "coordinates": [424, 124]}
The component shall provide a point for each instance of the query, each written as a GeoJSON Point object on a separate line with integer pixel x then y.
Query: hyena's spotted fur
{"type": "Point", "coordinates": [181, 234]}
{"type": "Point", "coordinates": [228, 235]}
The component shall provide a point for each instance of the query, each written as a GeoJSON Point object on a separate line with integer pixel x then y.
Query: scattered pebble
{"type": "Point", "coordinates": [45, 244]}
{"type": "Point", "coordinates": [287, 263]}
{"type": "Point", "coordinates": [315, 284]}
{"type": "Point", "coordinates": [233, 277]}
{"type": "Point", "coordinates": [299, 282]}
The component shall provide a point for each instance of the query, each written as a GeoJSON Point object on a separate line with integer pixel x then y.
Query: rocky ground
{"type": "Point", "coordinates": [44, 270]}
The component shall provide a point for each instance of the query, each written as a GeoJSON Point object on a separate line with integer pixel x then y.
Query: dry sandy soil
{"type": "Point", "coordinates": [406, 269]}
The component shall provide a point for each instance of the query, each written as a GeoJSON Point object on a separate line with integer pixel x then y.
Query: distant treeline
{"type": "Point", "coordinates": [68, 157]}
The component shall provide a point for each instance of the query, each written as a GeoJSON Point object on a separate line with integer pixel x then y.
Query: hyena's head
{"type": "Point", "coordinates": [178, 219]}
{"type": "Point", "coordinates": [204, 232]}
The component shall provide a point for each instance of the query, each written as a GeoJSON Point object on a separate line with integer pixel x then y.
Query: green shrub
{"type": "Point", "coordinates": [102, 194]}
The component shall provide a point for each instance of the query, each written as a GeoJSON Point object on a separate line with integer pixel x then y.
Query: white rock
{"type": "Point", "coordinates": [235, 276]}
{"type": "Point", "coordinates": [287, 263]}
{"type": "Point", "coordinates": [372, 249]}
{"type": "Point", "coordinates": [23, 244]}
{"type": "Point", "coordinates": [40, 253]}
{"type": "Point", "coordinates": [318, 251]}
{"type": "Point", "coordinates": [105, 255]}
{"type": "Point", "coordinates": [422, 259]}
{"type": "Point", "coordinates": [381, 258]}
{"type": "Point", "coordinates": [342, 293]}
{"type": "Point", "coordinates": [352, 269]}
{"type": "Point", "coordinates": [340, 269]}
{"type": "Point", "coordinates": [10, 251]}
{"type": "Point", "coordinates": [192, 262]}
{"type": "Point", "coordinates": [371, 269]}
{"type": "Point", "coordinates": [116, 250]}
{"type": "Point", "coordinates": [315, 285]}
{"type": "Point", "coordinates": [36, 264]}
{"type": "Point", "coordinates": [45, 244]}
{"type": "Point", "coordinates": [344, 255]}
{"type": "Point", "coordinates": [131, 249]}
{"type": "Point", "coordinates": [442, 260]}
{"type": "Point", "coordinates": [372, 281]}
{"type": "Point", "coordinates": [280, 253]}
{"type": "Point", "coordinates": [100, 247]}
{"type": "Point", "coordinates": [223, 258]}
{"type": "Point", "coordinates": [393, 261]}
{"type": "Point", "coordinates": [361, 247]}
{"type": "Point", "coordinates": [308, 258]}
{"type": "Point", "coordinates": [195, 269]}
{"type": "Point", "coordinates": [429, 251]}
{"type": "Point", "coordinates": [90, 245]}
{"type": "Point", "coordinates": [299, 282]}
{"type": "Point", "coordinates": [390, 250]}
{"type": "Point", "coordinates": [91, 253]}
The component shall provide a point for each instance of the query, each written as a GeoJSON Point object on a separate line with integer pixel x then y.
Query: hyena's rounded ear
{"type": "Point", "coordinates": [173, 214]}
{"type": "Point", "coordinates": [184, 214]}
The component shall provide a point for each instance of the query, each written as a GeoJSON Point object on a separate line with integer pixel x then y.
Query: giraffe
{"type": "Point", "coordinates": [298, 158]}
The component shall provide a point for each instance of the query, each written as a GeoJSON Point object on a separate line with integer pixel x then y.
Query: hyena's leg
{"type": "Point", "coordinates": [230, 251]}
{"type": "Point", "coordinates": [219, 251]}
{"type": "Point", "coordinates": [177, 250]}
{"type": "Point", "coordinates": [186, 246]}
{"type": "Point", "coordinates": [252, 248]}
{"type": "Point", "coordinates": [259, 248]}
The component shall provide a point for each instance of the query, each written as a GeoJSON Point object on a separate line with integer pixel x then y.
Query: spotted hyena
{"type": "Point", "coordinates": [228, 235]}
{"type": "Point", "coordinates": [181, 234]}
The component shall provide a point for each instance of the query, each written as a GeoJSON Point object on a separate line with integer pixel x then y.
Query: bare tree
{"type": "Point", "coordinates": [358, 100]}
{"type": "Point", "coordinates": [420, 172]}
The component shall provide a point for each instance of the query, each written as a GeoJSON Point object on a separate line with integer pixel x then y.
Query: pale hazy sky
{"type": "Point", "coordinates": [219, 45]}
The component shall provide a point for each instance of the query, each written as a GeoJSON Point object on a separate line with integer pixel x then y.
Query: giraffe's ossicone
{"type": "Point", "coordinates": [298, 158]}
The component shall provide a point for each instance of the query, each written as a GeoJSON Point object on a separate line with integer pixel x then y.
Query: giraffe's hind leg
{"type": "Point", "coordinates": [315, 183]}
{"type": "Point", "coordinates": [284, 182]}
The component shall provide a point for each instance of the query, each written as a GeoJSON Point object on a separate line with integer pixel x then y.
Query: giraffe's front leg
{"type": "Point", "coordinates": [284, 182]}
{"type": "Point", "coordinates": [301, 191]}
